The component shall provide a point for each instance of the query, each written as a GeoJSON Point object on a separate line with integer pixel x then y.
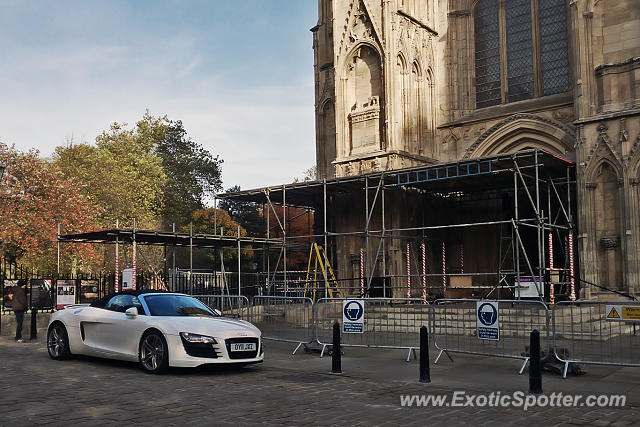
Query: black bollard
{"type": "Point", "coordinates": [34, 324]}
{"type": "Point", "coordinates": [336, 362]}
{"type": "Point", "coordinates": [535, 368]}
{"type": "Point", "coordinates": [425, 371]}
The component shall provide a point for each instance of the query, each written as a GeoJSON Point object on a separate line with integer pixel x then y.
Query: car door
{"type": "Point", "coordinates": [116, 333]}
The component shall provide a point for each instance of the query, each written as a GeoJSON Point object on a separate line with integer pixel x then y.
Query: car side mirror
{"type": "Point", "coordinates": [217, 312]}
{"type": "Point", "coordinates": [131, 311]}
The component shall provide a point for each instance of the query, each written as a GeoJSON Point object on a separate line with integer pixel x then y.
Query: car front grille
{"type": "Point", "coordinates": [242, 354]}
{"type": "Point", "coordinates": [197, 349]}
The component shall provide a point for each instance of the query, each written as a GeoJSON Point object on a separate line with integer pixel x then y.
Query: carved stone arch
{"type": "Point", "coordinates": [523, 131]}
{"type": "Point", "coordinates": [327, 128]}
{"type": "Point", "coordinates": [415, 108]}
{"type": "Point", "coordinates": [596, 165]}
{"type": "Point", "coordinates": [603, 180]}
{"type": "Point", "coordinates": [361, 98]}
{"type": "Point", "coordinates": [634, 159]}
{"type": "Point", "coordinates": [400, 100]}
{"type": "Point", "coordinates": [429, 113]}
{"type": "Point", "coordinates": [354, 49]}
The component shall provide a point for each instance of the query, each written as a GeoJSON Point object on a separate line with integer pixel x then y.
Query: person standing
{"type": "Point", "coordinates": [19, 306]}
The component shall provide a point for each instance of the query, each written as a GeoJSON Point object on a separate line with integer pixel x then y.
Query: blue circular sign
{"type": "Point", "coordinates": [487, 314]}
{"type": "Point", "coordinates": [353, 311]}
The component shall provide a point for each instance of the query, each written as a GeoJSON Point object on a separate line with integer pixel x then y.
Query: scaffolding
{"type": "Point", "coordinates": [536, 189]}
{"type": "Point", "coordinates": [518, 204]}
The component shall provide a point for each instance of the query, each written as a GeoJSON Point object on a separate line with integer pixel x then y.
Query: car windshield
{"type": "Point", "coordinates": [176, 305]}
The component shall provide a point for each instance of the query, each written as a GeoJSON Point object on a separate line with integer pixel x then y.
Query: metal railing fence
{"type": "Point", "coordinates": [454, 328]}
{"type": "Point", "coordinates": [587, 332]}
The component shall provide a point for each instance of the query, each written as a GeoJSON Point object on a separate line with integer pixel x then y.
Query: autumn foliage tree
{"type": "Point", "coordinates": [36, 196]}
{"type": "Point", "coordinates": [205, 221]}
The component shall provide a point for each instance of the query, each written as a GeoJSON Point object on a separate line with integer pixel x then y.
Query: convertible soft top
{"type": "Point", "coordinates": [102, 302]}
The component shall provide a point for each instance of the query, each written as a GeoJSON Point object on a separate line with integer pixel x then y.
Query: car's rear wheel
{"type": "Point", "coordinates": [58, 342]}
{"type": "Point", "coordinates": [154, 353]}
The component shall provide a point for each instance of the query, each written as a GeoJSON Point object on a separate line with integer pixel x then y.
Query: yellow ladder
{"type": "Point", "coordinates": [330, 282]}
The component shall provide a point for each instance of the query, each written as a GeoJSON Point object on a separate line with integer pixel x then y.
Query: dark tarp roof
{"type": "Point", "coordinates": [146, 237]}
{"type": "Point", "coordinates": [494, 172]}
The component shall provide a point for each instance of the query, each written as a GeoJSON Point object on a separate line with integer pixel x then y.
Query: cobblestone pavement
{"type": "Point", "coordinates": [285, 389]}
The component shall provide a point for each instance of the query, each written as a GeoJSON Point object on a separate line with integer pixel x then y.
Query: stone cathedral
{"type": "Point", "coordinates": [402, 83]}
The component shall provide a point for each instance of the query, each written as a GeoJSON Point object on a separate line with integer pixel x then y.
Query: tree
{"type": "Point", "coordinates": [206, 220]}
{"type": "Point", "coordinates": [310, 174]}
{"type": "Point", "coordinates": [192, 173]}
{"type": "Point", "coordinates": [36, 196]}
{"type": "Point", "coordinates": [122, 174]}
{"type": "Point", "coordinates": [246, 214]}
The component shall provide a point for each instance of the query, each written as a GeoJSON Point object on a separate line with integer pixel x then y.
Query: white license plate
{"type": "Point", "coordinates": [243, 346]}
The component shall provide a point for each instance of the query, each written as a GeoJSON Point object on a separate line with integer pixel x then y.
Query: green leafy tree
{"type": "Point", "coordinates": [192, 173]}
{"type": "Point", "coordinates": [246, 214]}
{"type": "Point", "coordinates": [122, 175]}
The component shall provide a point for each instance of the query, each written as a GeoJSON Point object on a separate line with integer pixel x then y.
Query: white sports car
{"type": "Point", "coordinates": [157, 329]}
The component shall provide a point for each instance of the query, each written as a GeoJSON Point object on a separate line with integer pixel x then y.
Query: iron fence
{"type": "Point", "coordinates": [588, 332]}
{"type": "Point", "coordinates": [288, 319]}
{"type": "Point", "coordinates": [236, 306]}
{"type": "Point", "coordinates": [388, 323]}
{"type": "Point", "coordinates": [454, 327]}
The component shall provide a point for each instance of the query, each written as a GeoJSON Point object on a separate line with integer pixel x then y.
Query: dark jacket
{"type": "Point", "coordinates": [19, 301]}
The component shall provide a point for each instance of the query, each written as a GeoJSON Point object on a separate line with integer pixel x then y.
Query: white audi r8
{"type": "Point", "coordinates": [157, 329]}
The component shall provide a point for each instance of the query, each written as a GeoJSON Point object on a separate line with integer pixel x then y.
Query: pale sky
{"type": "Point", "coordinates": [238, 73]}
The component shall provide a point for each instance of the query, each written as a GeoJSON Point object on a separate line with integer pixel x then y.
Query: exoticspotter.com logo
{"type": "Point", "coordinates": [518, 399]}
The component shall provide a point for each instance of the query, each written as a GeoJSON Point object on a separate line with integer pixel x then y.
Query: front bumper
{"type": "Point", "coordinates": [178, 356]}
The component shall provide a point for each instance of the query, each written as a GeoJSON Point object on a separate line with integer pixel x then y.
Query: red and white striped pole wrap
{"type": "Point", "coordinates": [116, 286]}
{"type": "Point", "coordinates": [408, 270]}
{"type": "Point", "coordinates": [361, 272]}
{"type": "Point", "coordinates": [572, 296]}
{"type": "Point", "coordinates": [444, 267]}
{"type": "Point", "coordinates": [133, 279]}
{"type": "Point", "coordinates": [424, 271]}
{"type": "Point", "coordinates": [552, 293]}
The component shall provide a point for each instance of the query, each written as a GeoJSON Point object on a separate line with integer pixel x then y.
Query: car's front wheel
{"type": "Point", "coordinates": [154, 353]}
{"type": "Point", "coordinates": [58, 342]}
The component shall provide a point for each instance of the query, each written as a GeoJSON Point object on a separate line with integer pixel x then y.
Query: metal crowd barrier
{"type": "Point", "coordinates": [388, 323]}
{"type": "Point", "coordinates": [288, 319]}
{"type": "Point", "coordinates": [586, 332]}
{"type": "Point", "coordinates": [236, 306]}
{"type": "Point", "coordinates": [454, 328]}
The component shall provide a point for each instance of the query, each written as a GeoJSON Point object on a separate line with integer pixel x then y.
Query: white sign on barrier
{"type": "Point", "coordinates": [487, 320]}
{"type": "Point", "coordinates": [65, 293]}
{"type": "Point", "coordinates": [623, 313]}
{"type": "Point", "coordinates": [353, 316]}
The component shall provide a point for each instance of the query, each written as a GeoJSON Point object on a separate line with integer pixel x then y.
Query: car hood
{"type": "Point", "coordinates": [222, 327]}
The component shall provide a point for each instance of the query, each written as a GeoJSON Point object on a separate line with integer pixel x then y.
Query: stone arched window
{"type": "Point", "coordinates": [416, 109]}
{"type": "Point", "coordinates": [429, 115]}
{"type": "Point", "coordinates": [401, 107]}
{"type": "Point", "coordinates": [521, 50]}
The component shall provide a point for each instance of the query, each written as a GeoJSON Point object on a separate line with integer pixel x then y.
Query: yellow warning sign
{"type": "Point", "coordinates": [623, 313]}
{"type": "Point", "coordinates": [613, 314]}
{"type": "Point", "coordinates": [631, 312]}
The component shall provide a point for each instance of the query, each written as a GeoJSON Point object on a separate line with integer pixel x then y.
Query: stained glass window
{"type": "Point", "coordinates": [504, 31]}
{"type": "Point", "coordinates": [554, 59]}
{"type": "Point", "coordinates": [487, 38]}
{"type": "Point", "coordinates": [519, 50]}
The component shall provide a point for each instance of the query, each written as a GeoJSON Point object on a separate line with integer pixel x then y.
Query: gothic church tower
{"type": "Point", "coordinates": [375, 91]}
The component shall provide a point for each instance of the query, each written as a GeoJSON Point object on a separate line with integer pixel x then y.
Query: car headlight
{"type": "Point", "coordinates": [195, 338]}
